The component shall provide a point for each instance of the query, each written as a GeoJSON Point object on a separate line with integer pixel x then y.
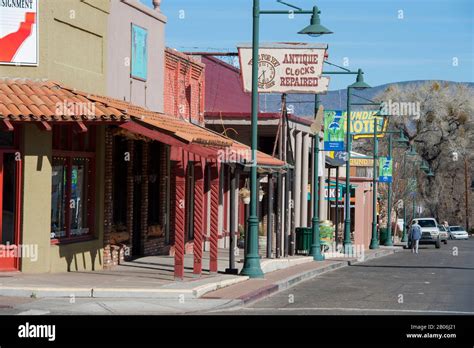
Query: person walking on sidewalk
{"type": "Point", "coordinates": [415, 235]}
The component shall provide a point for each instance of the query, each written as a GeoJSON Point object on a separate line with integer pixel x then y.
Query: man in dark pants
{"type": "Point", "coordinates": [415, 236]}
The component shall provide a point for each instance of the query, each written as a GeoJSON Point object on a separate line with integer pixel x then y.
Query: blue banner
{"type": "Point", "coordinates": [139, 63]}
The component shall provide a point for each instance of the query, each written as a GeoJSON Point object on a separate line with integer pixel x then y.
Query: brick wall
{"type": "Point", "coordinates": [184, 87]}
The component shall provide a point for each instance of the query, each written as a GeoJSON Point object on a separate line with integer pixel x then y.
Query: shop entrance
{"type": "Point", "coordinates": [10, 181]}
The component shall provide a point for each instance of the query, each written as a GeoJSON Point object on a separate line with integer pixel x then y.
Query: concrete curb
{"type": "Point", "coordinates": [164, 293]}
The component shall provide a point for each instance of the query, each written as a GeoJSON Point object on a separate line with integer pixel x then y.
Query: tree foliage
{"type": "Point", "coordinates": [443, 136]}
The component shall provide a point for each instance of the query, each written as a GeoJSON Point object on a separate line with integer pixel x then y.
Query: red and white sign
{"type": "Point", "coordinates": [19, 32]}
{"type": "Point", "coordinates": [285, 68]}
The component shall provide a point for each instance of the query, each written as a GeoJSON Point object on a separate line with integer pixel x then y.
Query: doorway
{"type": "Point", "coordinates": [10, 189]}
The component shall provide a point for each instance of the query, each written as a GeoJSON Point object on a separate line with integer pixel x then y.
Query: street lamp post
{"type": "Point", "coordinates": [251, 266]}
{"type": "Point", "coordinates": [388, 241]}
{"type": "Point", "coordinates": [316, 246]}
{"type": "Point", "coordinates": [374, 243]}
{"type": "Point", "coordinates": [359, 84]}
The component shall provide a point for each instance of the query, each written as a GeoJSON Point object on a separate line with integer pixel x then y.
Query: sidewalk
{"type": "Point", "coordinates": [152, 277]}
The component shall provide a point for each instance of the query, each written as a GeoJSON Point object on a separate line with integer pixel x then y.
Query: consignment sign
{"type": "Point", "coordinates": [19, 32]}
{"type": "Point", "coordinates": [285, 68]}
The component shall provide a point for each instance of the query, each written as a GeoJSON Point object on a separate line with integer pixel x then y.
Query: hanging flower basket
{"type": "Point", "coordinates": [244, 194]}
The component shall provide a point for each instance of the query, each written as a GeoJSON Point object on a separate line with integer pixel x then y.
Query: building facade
{"type": "Point", "coordinates": [43, 148]}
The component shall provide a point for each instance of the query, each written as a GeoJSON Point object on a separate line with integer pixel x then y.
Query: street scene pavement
{"type": "Point", "coordinates": [435, 281]}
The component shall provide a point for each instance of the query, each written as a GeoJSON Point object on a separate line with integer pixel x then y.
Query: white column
{"type": "Point", "coordinates": [297, 184]}
{"type": "Point", "coordinates": [304, 180]}
{"type": "Point", "coordinates": [323, 207]}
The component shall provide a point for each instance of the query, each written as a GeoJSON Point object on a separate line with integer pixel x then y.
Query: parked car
{"type": "Point", "coordinates": [429, 232]}
{"type": "Point", "coordinates": [443, 234]}
{"type": "Point", "coordinates": [457, 232]}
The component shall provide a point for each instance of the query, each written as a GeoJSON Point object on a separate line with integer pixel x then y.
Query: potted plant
{"type": "Point", "coordinates": [241, 240]}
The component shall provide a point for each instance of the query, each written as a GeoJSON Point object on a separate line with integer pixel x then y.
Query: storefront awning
{"type": "Point", "coordinates": [157, 134]}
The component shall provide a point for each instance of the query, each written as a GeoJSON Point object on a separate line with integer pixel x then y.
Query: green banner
{"type": "Point", "coordinates": [333, 131]}
{"type": "Point", "coordinates": [385, 169]}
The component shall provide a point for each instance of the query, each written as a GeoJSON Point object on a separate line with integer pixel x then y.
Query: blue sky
{"type": "Point", "coordinates": [424, 44]}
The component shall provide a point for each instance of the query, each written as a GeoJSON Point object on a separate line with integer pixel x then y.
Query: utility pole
{"type": "Point", "coordinates": [466, 193]}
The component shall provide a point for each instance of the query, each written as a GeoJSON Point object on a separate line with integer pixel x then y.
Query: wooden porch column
{"type": "Point", "coordinates": [214, 237]}
{"type": "Point", "coordinates": [179, 173]}
{"type": "Point", "coordinates": [199, 215]}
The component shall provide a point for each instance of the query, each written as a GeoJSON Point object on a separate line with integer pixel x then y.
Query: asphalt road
{"type": "Point", "coordinates": [436, 281]}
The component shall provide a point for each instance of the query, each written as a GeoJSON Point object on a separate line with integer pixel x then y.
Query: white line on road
{"type": "Point", "coordinates": [353, 310]}
{"type": "Point", "coordinates": [34, 312]}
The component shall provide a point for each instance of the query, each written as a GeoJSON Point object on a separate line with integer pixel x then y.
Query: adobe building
{"type": "Point", "coordinates": [45, 154]}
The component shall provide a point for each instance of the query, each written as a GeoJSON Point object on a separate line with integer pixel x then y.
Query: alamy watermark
{"type": "Point", "coordinates": [28, 251]}
{"type": "Point", "coordinates": [396, 108]}
{"type": "Point", "coordinates": [350, 251]}
{"type": "Point", "coordinates": [232, 155]}
{"type": "Point", "coordinates": [67, 108]}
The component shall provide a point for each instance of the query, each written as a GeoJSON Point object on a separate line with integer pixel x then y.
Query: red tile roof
{"type": "Point", "coordinates": [42, 100]}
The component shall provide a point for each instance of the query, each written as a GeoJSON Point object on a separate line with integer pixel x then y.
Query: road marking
{"type": "Point", "coordinates": [34, 312]}
{"type": "Point", "coordinates": [355, 310]}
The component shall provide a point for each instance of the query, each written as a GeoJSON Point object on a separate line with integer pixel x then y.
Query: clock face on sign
{"type": "Point", "coordinates": [266, 76]}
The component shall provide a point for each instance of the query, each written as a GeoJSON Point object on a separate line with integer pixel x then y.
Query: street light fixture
{"type": "Point", "coordinates": [412, 151]}
{"type": "Point", "coordinates": [315, 29]}
{"type": "Point", "coordinates": [252, 266]}
{"type": "Point", "coordinates": [359, 85]}
{"type": "Point", "coordinates": [424, 167]}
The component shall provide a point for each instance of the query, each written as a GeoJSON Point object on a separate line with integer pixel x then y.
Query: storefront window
{"type": "Point", "coordinates": [72, 189]}
{"type": "Point", "coordinates": [58, 197]}
{"type": "Point", "coordinates": [79, 185]}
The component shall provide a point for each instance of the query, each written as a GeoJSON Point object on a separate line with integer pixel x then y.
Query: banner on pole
{"type": "Point", "coordinates": [385, 169]}
{"type": "Point", "coordinates": [334, 131]}
{"type": "Point", "coordinates": [285, 67]}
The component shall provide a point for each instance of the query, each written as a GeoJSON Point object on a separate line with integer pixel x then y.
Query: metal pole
{"type": "Point", "coordinates": [336, 230]}
{"type": "Point", "coordinates": [414, 208]}
{"type": "Point", "coordinates": [374, 243]}
{"type": "Point", "coordinates": [404, 235]}
{"type": "Point", "coordinates": [287, 226]}
{"type": "Point", "coordinates": [388, 242]}
{"type": "Point", "coordinates": [278, 222]}
{"type": "Point", "coordinates": [252, 259]}
{"type": "Point", "coordinates": [233, 185]}
{"type": "Point", "coordinates": [269, 216]}
{"type": "Point", "coordinates": [466, 193]}
{"type": "Point", "coordinates": [316, 246]}
{"type": "Point", "coordinates": [347, 199]}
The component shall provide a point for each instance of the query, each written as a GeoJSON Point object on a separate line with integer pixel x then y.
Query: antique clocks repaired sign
{"type": "Point", "coordinates": [285, 68]}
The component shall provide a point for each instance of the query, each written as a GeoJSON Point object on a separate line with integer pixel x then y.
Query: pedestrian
{"type": "Point", "coordinates": [415, 236]}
